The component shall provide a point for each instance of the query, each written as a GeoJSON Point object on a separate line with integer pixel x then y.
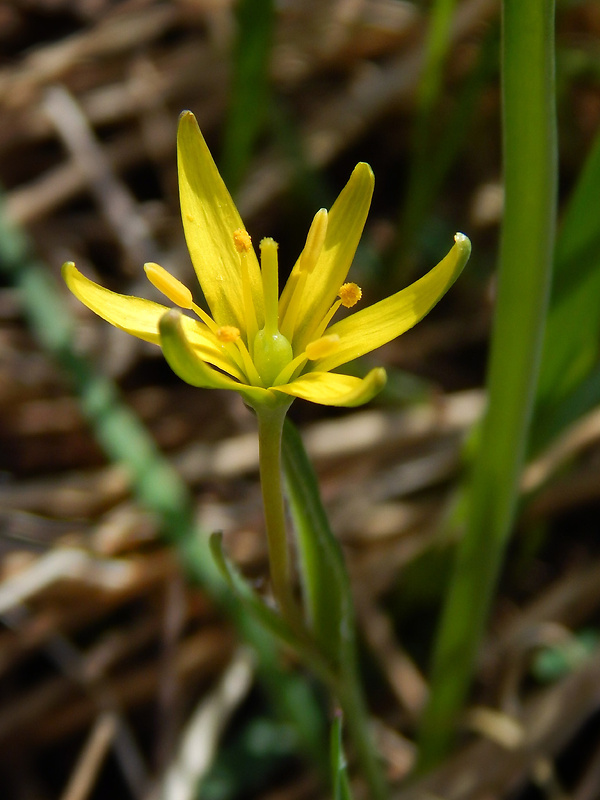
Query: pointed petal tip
{"type": "Point", "coordinates": [373, 383]}
{"type": "Point", "coordinates": [67, 270]}
{"type": "Point", "coordinates": [187, 121]}
{"type": "Point", "coordinates": [335, 389]}
{"type": "Point", "coordinates": [461, 251]}
{"type": "Point", "coordinates": [363, 170]}
{"type": "Point", "coordinates": [170, 321]}
{"type": "Point", "coordinates": [463, 242]}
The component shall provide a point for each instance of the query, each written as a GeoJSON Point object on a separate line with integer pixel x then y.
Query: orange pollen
{"type": "Point", "coordinates": [228, 333]}
{"type": "Point", "coordinates": [350, 294]}
{"type": "Point", "coordinates": [242, 240]}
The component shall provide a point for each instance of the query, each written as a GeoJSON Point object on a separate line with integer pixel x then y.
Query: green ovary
{"type": "Point", "coordinates": [272, 352]}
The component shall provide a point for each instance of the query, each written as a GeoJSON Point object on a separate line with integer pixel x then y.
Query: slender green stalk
{"type": "Point", "coordinates": [352, 701]}
{"type": "Point", "coordinates": [328, 598]}
{"type": "Point", "coordinates": [530, 153]}
{"type": "Point", "coordinates": [270, 433]}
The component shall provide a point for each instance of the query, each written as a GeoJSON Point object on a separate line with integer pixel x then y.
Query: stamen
{"type": "Point", "coordinates": [350, 294]}
{"type": "Point", "coordinates": [242, 240]}
{"type": "Point", "coordinates": [167, 284]}
{"type": "Point", "coordinates": [243, 244]}
{"type": "Point", "coordinates": [219, 333]}
{"type": "Point", "coordinates": [228, 333]}
{"type": "Point", "coordinates": [290, 370]}
{"type": "Point", "coordinates": [252, 375]}
{"type": "Point", "coordinates": [270, 281]}
{"type": "Point", "coordinates": [318, 331]}
{"type": "Point", "coordinates": [322, 347]}
{"type": "Point", "coordinates": [206, 318]}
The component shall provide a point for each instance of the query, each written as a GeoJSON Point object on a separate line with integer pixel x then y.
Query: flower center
{"type": "Point", "coordinates": [271, 349]}
{"type": "Point", "coordinates": [272, 352]}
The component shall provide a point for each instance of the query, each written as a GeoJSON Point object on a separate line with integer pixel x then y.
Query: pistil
{"type": "Point", "coordinates": [270, 281]}
{"type": "Point", "coordinates": [272, 350]}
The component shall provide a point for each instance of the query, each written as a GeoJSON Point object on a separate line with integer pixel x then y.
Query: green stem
{"type": "Point", "coordinates": [530, 155]}
{"type": "Point", "coordinates": [329, 605]}
{"type": "Point", "coordinates": [270, 433]}
{"type": "Point", "coordinates": [352, 701]}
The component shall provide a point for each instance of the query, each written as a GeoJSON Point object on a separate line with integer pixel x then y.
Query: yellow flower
{"type": "Point", "coordinates": [268, 348]}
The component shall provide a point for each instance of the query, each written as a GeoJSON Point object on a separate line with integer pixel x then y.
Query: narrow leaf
{"type": "Point", "coordinates": [324, 579]}
{"type": "Point", "coordinates": [339, 766]}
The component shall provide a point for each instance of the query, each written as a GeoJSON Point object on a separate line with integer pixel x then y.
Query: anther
{"type": "Point", "coordinates": [228, 333]}
{"type": "Point", "coordinates": [314, 241]}
{"type": "Point", "coordinates": [242, 240]}
{"type": "Point", "coordinates": [350, 294]}
{"type": "Point", "coordinates": [166, 283]}
{"type": "Point", "coordinates": [322, 347]}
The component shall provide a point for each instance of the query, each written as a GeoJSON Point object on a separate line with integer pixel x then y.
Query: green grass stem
{"type": "Point", "coordinates": [530, 170]}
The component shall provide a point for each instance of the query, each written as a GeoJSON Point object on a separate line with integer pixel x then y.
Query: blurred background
{"type": "Point", "coordinates": [110, 658]}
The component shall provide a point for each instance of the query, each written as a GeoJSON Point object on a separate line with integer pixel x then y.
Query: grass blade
{"type": "Point", "coordinates": [328, 597]}
{"type": "Point", "coordinates": [567, 386]}
{"type": "Point", "coordinates": [530, 154]}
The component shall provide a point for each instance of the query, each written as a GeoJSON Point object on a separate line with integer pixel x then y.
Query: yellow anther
{"type": "Point", "coordinates": [350, 294]}
{"type": "Point", "coordinates": [166, 283]}
{"type": "Point", "coordinates": [228, 333]}
{"type": "Point", "coordinates": [242, 240]}
{"type": "Point", "coordinates": [314, 241]}
{"type": "Point", "coordinates": [322, 347]}
{"type": "Point", "coordinates": [243, 244]}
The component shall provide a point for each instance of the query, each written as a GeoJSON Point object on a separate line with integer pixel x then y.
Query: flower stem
{"type": "Point", "coordinates": [270, 432]}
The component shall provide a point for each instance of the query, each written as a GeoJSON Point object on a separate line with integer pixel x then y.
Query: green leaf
{"type": "Point", "coordinates": [526, 258]}
{"type": "Point", "coordinates": [571, 343]}
{"type": "Point", "coordinates": [248, 597]}
{"type": "Point", "coordinates": [328, 600]}
{"type": "Point", "coordinates": [324, 579]}
{"type": "Point", "coordinates": [339, 767]}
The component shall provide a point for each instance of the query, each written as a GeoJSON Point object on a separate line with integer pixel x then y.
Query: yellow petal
{"type": "Point", "coordinates": [331, 389]}
{"type": "Point", "coordinates": [344, 229]}
{"type": "Point", "coordinates": [131, 314]}
{"type": "Point", "coordinates": [140, 317]}
{"type": "Point", "coordinates": [209, 220]}
{"type": "Point", "coordinates": [380, 323]}
{"type": "Point", "coordinates": [186, 362]}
